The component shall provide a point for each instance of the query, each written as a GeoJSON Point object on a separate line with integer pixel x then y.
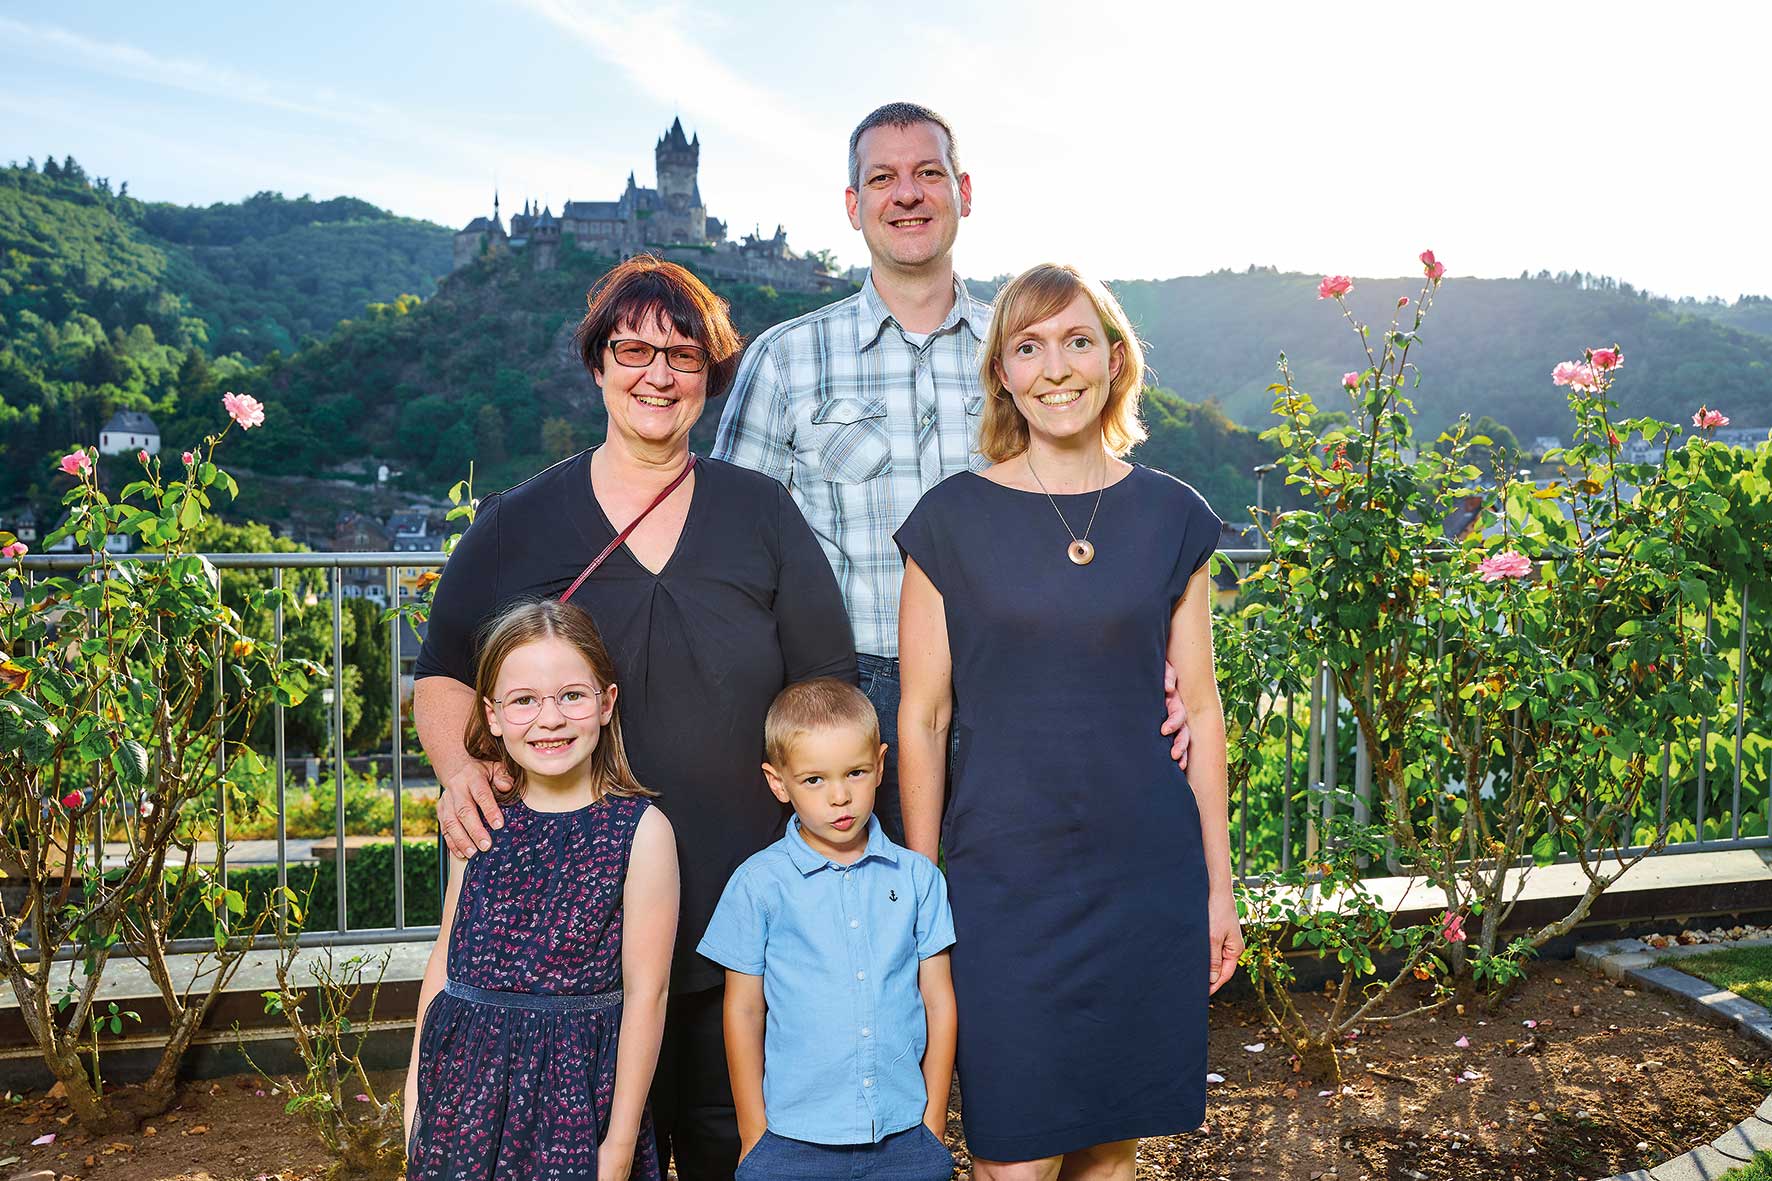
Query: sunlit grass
{"type": "Point", "coordinates": [1746, 971]}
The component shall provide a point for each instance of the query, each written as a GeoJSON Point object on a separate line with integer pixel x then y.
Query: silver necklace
{"type": "Point", "coordinates": [1080, 550]}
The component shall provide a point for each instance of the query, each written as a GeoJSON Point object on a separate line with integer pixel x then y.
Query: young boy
{"type": "Point", "coordinates": [839, 1008]}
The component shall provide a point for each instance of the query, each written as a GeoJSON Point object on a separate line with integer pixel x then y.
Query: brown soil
{"type": "Point", "coordinates": [1623, 1083]}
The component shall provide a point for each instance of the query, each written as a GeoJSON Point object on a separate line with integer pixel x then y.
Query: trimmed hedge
{"type": "Point", "coordinates": [369, 890]}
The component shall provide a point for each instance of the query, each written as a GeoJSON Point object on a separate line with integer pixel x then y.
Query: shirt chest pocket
{"type": "Point", "coordinates": [851, 440]}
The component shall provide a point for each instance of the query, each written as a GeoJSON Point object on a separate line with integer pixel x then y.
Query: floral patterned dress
{"type": "Point", "coordinates": [518, 1081]}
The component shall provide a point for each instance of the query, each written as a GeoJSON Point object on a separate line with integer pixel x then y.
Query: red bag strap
{"type": "Point", "coordinates": [632, 525]}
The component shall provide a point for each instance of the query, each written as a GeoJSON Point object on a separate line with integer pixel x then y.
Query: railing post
{"type": "Point", "coordinates": [278, 747]}
{"type": "Point", "coordinates": [1286, 791]}
{"type": "Point", "coordinates": [1313, 773]}
{"type": "Point", "coordinates": [1741, 684]}
{"type": "Point", "coordinates": [221, 775]}
{"type": "Point", "coordinates": [397, 735]}
{"type": "Point", "coordinates": [1703, 742]}
{"type": "Point", "coordinates": [338, 734]}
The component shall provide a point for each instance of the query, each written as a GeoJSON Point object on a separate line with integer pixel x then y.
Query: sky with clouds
{"type": "Point", "coordinates": [1136, 140]}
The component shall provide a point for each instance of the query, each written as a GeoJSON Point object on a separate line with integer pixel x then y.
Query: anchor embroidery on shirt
{"type": "Point", "coordinates": [892, 895]}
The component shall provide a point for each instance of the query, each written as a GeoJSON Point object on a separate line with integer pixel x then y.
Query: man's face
{"type": "Point", "coordinates": [910, 203]}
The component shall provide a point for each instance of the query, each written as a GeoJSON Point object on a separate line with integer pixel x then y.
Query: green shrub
{"type": "Point", "coordinates": [369, 891]}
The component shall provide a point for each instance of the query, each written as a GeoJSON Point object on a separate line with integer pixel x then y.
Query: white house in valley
{"type": "Point", "coordinates": [128, 432]}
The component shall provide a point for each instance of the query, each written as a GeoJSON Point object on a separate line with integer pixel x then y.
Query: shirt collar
{"type": "Point", "coordinates": [809, 862]}
{"type": "Point", "coordinates": [873, 315]}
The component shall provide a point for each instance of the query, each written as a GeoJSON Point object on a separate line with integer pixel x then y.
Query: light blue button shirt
{"type": "Point", "coordinates": [838, 948]}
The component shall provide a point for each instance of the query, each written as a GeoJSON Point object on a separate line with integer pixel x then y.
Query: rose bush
{"type": "Point", "coordinates": [1520, 676]}
{"type": "Point", "coordinates": [125, 684]}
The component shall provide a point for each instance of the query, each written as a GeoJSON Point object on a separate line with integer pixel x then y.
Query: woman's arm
{"type": "Point", "coordinates": [810, 619]}
{"type": "Point", "coordinates": [925, 708]}
{"type": "Point", "coordinates": [440, 710]}
{"type": "Point", "coordinates": [743, 1017]}
{"type": "Point", "coordinates": [436, 971]}
{"type": "Point", "coordinates": [1190, 651]}
{"type": "Point", "coordinates": [649, 931]}
{"type": "Point", "coordinates": [936, 982]}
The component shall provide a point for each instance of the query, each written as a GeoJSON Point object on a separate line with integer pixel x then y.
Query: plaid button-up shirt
{"type": "Point", "coordinates": [859, 423]}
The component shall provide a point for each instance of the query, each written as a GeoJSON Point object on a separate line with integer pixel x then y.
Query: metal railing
{"type": "Point", "coordinates": [1316, 804]}
{"type": "Point", "coordinates": [333, 567]}
{"type": "Point", "coordinates": [1303, 813]}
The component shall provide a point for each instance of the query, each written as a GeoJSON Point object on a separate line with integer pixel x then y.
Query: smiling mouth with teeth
{"type": "Point", "coordinates": [654, 400]}
{"type": "Point", "coordinates": [1060, 397]}
{"type": "Point", "coordinates": [552, 744]}
{"type": "Point", "coordinates": [910, 223]}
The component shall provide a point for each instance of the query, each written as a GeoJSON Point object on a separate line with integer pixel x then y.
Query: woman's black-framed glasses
{"type": "Point", "coordinates": [577, 702]}
{"type": "Point", "coordinates": [637, 354]}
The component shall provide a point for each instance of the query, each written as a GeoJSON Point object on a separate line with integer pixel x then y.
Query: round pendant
{"type": "Point", "coordinates": [1081, 552]}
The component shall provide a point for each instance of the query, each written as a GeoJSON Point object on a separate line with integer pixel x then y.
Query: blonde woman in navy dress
{"type": "Point", "coordinates": [1090, 877]}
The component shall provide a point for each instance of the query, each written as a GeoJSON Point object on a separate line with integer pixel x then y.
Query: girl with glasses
{"type": "Point", "coordinates": [543, 1005]}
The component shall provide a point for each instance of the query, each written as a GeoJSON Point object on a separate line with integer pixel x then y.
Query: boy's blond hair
{"type": "Point", "coordinates": [819, 704]}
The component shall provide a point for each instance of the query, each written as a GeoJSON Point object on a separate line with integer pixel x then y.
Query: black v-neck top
{"type": "Point", "coordinates": [746, 605]}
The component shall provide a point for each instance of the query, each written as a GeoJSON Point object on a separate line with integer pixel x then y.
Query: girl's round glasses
{"type": "Point", "coordinates": [577, 702]}
{"type": "Point", "coordinates": [637, 354]}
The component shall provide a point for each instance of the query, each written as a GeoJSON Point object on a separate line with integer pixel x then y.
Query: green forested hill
{"type": "Point", "coordinates": [109, 303]}
{"type": "Point", "coordinates": [483, 372]}
{"type": "Point", "coordinates": [1489, 345]}
{"type": "Point", "coordinates": [1750, 313]}
{"type": "Point", "coordinates": [326, 311]}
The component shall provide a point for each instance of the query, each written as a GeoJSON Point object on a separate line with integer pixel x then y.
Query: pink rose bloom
{"type": "Point", "coordinates": [189, 459]}
{"type": "Point", "coordinates": [76, 463]}
{"type": "Point", "coordinates": [1452, 927]}
{"type": "Point", "coordinates": [244, 409]}
{"type": "Point", "coordinates": [1334, 286]}
{"type": "Point", "coordinates": [1427, 258]}
{"type": "Point", "coordinates": [1351, 380]}
{"type": "Point", "coordinates": [1607, 358]}
{"type": "Point", "coordinates": [17, 549]}
{"type": "Point", "coordinates": [1575, 373]}
{"type": "Point", "coordinates": [1506, 564]}
{"type": "Point", "coordinates": [73, 800]}
{"type": "Point", "coordinates": [1402, 301]}
{"type": "Point", "coordinates": [1432, 267]}
{"type": "Point", "coordinates": [1708, 419]}
{"type": "Point", "coordinates": [142, 455]}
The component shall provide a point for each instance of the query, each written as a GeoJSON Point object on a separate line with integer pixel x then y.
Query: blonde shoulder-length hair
{"type": "Point", "coordinates": [1032, 296]}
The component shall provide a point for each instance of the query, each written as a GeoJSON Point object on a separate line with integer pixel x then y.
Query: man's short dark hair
{"type": "Point", "coordinates": [899, 115]}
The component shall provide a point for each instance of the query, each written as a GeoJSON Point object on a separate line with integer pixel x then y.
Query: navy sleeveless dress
{"type": "Point", "coordinates": [1073, 847]}
{"type": "Point", "coordinates": [518, 1082]}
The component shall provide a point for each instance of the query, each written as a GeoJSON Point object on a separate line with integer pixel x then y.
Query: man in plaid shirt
{"type": "Point", "coordinates": [861, 407]}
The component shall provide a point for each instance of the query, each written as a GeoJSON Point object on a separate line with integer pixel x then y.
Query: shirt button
{"type": "Point", "coordinates": [867, 1082]}
{"type": "Point", "coordinates": [866, 1031]}
{"type": "Point", "coordinates": [861, 975]}
{"type": "Point", "coordinates": [855, 922]}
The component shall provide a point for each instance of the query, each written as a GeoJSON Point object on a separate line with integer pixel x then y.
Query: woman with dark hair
{"type": "Point", "coordinates": [712, 595]}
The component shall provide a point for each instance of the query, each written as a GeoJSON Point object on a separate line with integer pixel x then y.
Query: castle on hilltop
{"type": "Point", "coordinates": [670, 221]}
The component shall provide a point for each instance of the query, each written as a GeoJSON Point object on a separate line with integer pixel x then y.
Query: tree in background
{"type": "Point", "coordinates": [557, 438]}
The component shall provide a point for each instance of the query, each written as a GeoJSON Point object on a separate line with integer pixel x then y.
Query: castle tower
{"type": "Point", "coordinates": [480, 237]}
{"type": "Point", "coordinates": [684, 217]}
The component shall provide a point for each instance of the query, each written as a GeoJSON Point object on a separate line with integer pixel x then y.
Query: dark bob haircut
{"type": "Point", "coordinates": [645, 289]}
